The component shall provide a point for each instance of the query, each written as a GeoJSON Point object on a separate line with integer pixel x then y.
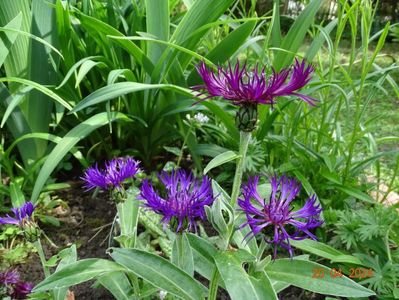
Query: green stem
{"type": "Point", "coordinates": [244, 140]}
{"type": "Point", "coordinates": [387, 246]}
{"type": "Point", "coordinates": [135, 283]}
{"type": "Point", "coordinates": [183, 145]}
{"type": "Point", "coordinates": [213, 285]}
{"type": "Point", "coordinates": [42, 257]}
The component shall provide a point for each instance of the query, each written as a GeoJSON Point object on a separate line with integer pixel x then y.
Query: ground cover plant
{"type": "Point", "coordinates": [246, 150]}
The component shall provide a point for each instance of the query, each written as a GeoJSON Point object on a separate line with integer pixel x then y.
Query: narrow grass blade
{"type": "Point", "coordinates": [68, 141]}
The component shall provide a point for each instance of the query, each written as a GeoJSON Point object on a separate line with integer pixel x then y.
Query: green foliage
{"type": "Point", "coordinates": [369, 232]}
{"type": "Point", "coordinates": [133, 62]}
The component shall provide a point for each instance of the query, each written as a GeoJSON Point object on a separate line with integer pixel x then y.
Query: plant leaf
{"type": "Point", "coordinates": [220, 160]}
{"type": "Point", "coordinates": [238, 283]}
{"type": "Point", "coordinates": [78, 272]}
{"type": "Point", "coordinates": [159, 272]}
{"type": "Point", "coordinates": [299, 273]}
{"type": "Point", "coordinates": [325, 251]}
{"type": "Point", "coordinates": [68, 141]}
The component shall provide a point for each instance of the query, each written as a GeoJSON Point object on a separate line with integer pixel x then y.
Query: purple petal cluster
{"type": "Point", "coordinates": [276, 216]}
{"type": "Point", "coordinates": [14, 287]}
{"type": "Point", "coordinates": [245, 86]}
{"type": "Point", "coordinates": [116, 171]}
{"type": "Point", "coordinates": [9, 277]}
{"type": "Point", "coordinates": [183, 201]}
{"type": "Point", "coordinates": [22, 215]}
{"type": "Point", "coordinates": [21, 290]}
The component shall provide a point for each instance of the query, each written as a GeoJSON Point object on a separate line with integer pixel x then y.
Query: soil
{"type": "Point", "coordinates": [80, 225]}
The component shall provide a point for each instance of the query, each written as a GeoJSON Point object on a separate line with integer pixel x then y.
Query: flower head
{"type": "Point", "coordinates": [116, 171]}
{"type": "Point", "coordinates": [184, 199]}
{"type": "Point", "coordinates": [9, 277]}
{"type": "Point", "coordinates": [276, 213]}
{"type": "Point", "coordinates": [243, 86]}
{"type": "Point", "coordinates": [22, 214]}
{"type": "Point", "coordinates": [13, 286]}
{"type": "Point", "coordinates": [23, 217]}
{"type": "Point", "coordinates": [21, 290]}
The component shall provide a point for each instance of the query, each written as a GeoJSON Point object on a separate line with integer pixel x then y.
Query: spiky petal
{"type": "Point", "coordinates": [184, 200]}
{"type": "Point", "coordinates": [243, 86]}
{"type": "Point", "coordinates": [276, 213]}
{"type": "Point", "coordinates": [22, 215]}
{"type": "Point", "coordinates": [116, 171]}
{"type": "Point", "coordinates": [21, 290]}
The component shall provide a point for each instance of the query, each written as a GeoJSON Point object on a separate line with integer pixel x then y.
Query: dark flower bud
{"type": "Point", "coordinates": [246, 117]}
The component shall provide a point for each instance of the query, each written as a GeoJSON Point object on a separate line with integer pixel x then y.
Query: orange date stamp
{"type": "Point", "coordinates": [358, 273]}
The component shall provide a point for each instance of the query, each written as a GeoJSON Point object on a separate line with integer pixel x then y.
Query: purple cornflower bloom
{"type": "Point", "coordinates": [9, 277]}
{"type": "Point", "coordinates": [115, 172]}
{"type": "Point", "coordinates": [14, 288]}
{"type": "Point", "coordinates": [21, 290]}
{"type": "Point", "coordinates": [243, 86]}
{"type": "Point", "coordinates": [184, 200]}
{"type": "Point", "coordinates": [277, 214]}
{"type": "Point", "coordinates": [22, 214]}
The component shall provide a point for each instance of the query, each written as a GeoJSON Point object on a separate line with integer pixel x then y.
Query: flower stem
{"type": "Point", "coordinates": [42, 257]}
{"type": "Point", "coordinates": [135, 284]}
{"type": "Point", "coordinates": [244, 140]}
{"type": "Point", "coordinates": [213, 285]}
{"type": "Point", "coordinates": [183, 145]}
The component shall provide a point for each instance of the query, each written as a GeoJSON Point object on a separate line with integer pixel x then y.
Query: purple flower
{"type": "Point", "coordinates": [23, 215]}
{"type": "Point", "coordinates": [116, 171]}
{"type": "Point", "coordinates": [14, 288]}
{"type": "Point", "coordinates": [275, 216]}
{"type": "Point", "coordinates": [21, 290]}
{"type": "Point", "coordinates": [184, 199]}
{"type": "Point", "coordinates": [9, 277]}
{"type": "Point", "coordinates": [243, 86]}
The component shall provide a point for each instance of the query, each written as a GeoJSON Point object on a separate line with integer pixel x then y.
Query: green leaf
{"type": "Point", "coordinates": [40, 88]}
{"type": "Point", "coordinates": [319, 40]}
{"type": "Point", "coordinates": [354, 192]}
{"type": "Point", "coordinates": [225, 48]}
{"type": "Point", "coordinates": [201, 13]}
{"type": "Point", "coordinates": [11, 37]}
{"type": "Point", "coordinates": [68, 256]}
{"type": "Point", "coordinates": [182, 256]}
{"type": "Point", "coordinates": [238, 283]}
{"type": "Point", "coordinates": [203, 254]}
{"type": "Point", "coordinates": [16, 194]}
{"type": "Point", "coordinates": [118, 284]}
{"type": "Point", "coordinates": [84, 69]}
{"type": "Point", "coordinates": [122, 88]}
{"type": "Point", "coordinates": [295, 36]}
{"type": "Point", "coordinates": [128, 212]}
{"type": "Point", "coordinates": [325, 251]}
{"type": "Point", "coordinates": [78, 272]}
{"type": "Point", "coordinates": [157, 20]}
{"type": "Point", "coordinates": [98, 27]}
{"type": "Point", "coordinates": [220, 160]}
{"type": "Point", "coordinates": [299, 273]}
{"type": "Point", "coordinates": [45, 136]}
{"type": "Point", "coordinates": [225, 117]}
{"type": "Point", "coordinates": [68, 141]}
{"type": "Point", "coordinates": [159, 272]}
{"type": "Point", "coordinates": [15, 100]}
